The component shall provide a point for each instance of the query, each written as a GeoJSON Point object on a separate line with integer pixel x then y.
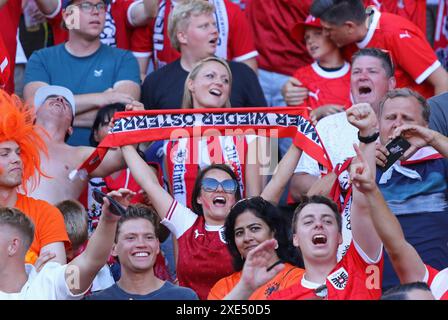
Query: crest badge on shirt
{"type": "Point", "coordinates": [339, 278]}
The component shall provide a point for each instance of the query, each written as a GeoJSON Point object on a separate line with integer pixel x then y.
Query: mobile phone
{"type": "Point", "coordinates": [397, 147]}
{"type": "Point", "coordinates": [115, 208]}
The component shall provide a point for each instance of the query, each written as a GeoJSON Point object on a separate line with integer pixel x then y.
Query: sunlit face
{"type": "Point", "coordinates": [399, 111]}
{"type": "Point", "coordinates": [11, 166]}
{"type": "Point", "coordinates": [369, 81]}
{"type": "Point", "coordinates": [317, 44]}
{"type": "Point", "coordinates": [216, 205]}
{"type": "Point", "coordinates": [91, 22]}
{"type": "Point", "coordinates": [137, 246]}
{"type": "Point", "coordinates": [200, 36]}
{"type": "Point", "coordinates": [316, 232]}
{"type": "Point", "coordinates": [340, 35]}
{"type": "Point", "coordinates": [56, 106]}
{"type": "Point", "coordinates": [250, 231]}
{"type": "Point", "coordinates": [211, 87]}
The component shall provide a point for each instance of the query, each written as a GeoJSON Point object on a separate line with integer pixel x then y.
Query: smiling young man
{"type": "Point", "coordinates": [97, 74]}
{"type": "Point", "coordinates": [136, 246]}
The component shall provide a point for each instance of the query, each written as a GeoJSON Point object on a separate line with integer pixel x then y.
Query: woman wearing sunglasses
{"type": "Point", "coordinates": [208, 85]}
{"type": "Point", "coordinates": [250, 222]}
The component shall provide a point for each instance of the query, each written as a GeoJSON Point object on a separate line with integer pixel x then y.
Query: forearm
{"type": "Point", "coordinates": [440, 143]}
{"type": "Point", "coordinates": [86, 119]}
{"type": "Point", "coordinates": [94, 257]}
{"type": "Point", "coordinates": [301, 184]}
{"type": "Point", "coordinates": [47, 7]}
{"type": "Point", "coordinates": [281, 177]}
{"type": "Point", "coordinates": [89, 102]}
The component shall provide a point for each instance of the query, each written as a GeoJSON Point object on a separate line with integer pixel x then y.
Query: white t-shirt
{"type": "Point", "coordinates": [337, 135]}
{"type": "Point", "coordinates": [48, 284]}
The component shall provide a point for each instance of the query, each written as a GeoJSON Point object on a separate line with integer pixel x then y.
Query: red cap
{"type": "Point", "coordinates": [298, 31]}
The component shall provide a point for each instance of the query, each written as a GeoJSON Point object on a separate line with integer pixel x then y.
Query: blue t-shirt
{"type": "Point", "coordinates": [167, 292]}
{"type": "Point", "coordinates": [90, 74]}
{"type": "Point", "coordinates": [94, 73]}
{"type": "Point", "coordinates": [421, 208]}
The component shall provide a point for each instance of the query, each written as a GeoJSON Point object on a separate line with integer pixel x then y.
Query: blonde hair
{"type": "Point", "coordinates": [75, 220]}
{"type": "Point", "coordinates": [179, 17]}
{"type": "Point", "coordinates": [187, 100]}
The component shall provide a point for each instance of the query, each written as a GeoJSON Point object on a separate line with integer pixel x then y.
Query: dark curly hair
{"type": "Point", "coordinates": [269, 213]}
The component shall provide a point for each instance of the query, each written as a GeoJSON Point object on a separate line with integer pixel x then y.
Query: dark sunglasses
{"type": "Point", "coordinates": [322, 292]}
{"type": "Point", "coordinates": [115, 208]}
{"type": "Point", "coordinates": [211, 185]}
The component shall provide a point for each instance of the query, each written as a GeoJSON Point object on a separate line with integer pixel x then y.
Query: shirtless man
{"type": "Point", "coordinates": [55, 107]}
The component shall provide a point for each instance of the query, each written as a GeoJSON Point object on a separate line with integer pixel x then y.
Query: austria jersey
{"type": "Point", "coordinates": [203, 256]}
{"type": "Point", "coordinates": [355, 277]}
{"type": "Point", "coordinates": [117, 27]}
{"type": "Point", "coordinates": [5, 63]}
{"type": "Point", "coordinates": [325, 87]}
{"type": "Point", "coordinates": [9, 16]}
{"type": "Point", "coordinates": [412, 55]}
{"type": "Point", "coordinates": [438, 282]}
{"type": "Point", "coordinates": [413, 10]}
{"type": "Point", "coordinates": [235, 37]}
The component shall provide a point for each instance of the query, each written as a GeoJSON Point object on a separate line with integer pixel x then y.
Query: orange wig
{"type": "Point", "coordinates": [17, 123]}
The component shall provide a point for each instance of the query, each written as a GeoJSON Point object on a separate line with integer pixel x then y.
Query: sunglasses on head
{"type": "Point", "coordinates": [211, 185]}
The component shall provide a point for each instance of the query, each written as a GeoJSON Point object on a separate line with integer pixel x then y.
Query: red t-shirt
{"type": "Point", "coordinates": [348, 280]}
{"type": "Point", "coordinates": [5, 64]}
{"type": "Point", "coordinates": [239, 38]}
{"type": "Point", "coordinates": [412, 55]}
{"type": "Point", "coordinates": [438, 282]}
{"type": "Point", "coordinates": [117, 28]}
{"type": "Point", "coordinates": [271, 22]}
{"type": "Point", "coordinates": [203, 255]}
{"type": "Point", "coordinates": [413, 10]}
{"type": "Point", "coordinates": [325, 87]}
{"type": "Point", "coordinates": [10, 17]}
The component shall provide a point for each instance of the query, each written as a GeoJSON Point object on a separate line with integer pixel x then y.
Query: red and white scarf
{"type": "Point", "coordinates": [133, 127]}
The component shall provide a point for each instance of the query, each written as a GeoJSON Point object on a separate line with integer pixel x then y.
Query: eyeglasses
{"type": "Point", "coordinates": [211, 185]}
{"type": "Point", "coordinates": [87, 7]}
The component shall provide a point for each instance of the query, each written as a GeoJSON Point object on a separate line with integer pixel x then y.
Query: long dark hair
{"type": "Point", "coordinates": [269, 213]}
{"type": "Point", "coordinates": [197, 208]}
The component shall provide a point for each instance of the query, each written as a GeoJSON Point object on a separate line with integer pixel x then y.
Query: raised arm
{"type": "Point", "coordinates": [363, 117]}
{"type": "Point", "coordinates": [407, 263]}
{"type": "Point", "coordinates": [253, 175]}
{"type": "Point", "coordinates": [147, 179]}
{"type": "Point", "coordinates": [256, 271]}
{"type": "Point", "coordinates": [439, 80]}
{"type": "Point", "coordinates": [285, 169]}
{"type": "Point", "coordinates": [82, 270]}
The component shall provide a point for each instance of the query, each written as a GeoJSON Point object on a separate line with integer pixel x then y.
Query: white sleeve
{"type": "Point", "coordinates": [179, 219]}
{"type": "Point", "coordinates": [307, 165]}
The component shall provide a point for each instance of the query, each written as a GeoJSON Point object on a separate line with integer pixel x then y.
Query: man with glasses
{"type": "Point", "coordinates": [122, 16]}
{"type": "Point", "coordinates": [97, 74]}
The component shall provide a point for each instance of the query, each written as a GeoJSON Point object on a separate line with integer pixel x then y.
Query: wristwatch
{"type": "Point", "coordinates": [369, 139]}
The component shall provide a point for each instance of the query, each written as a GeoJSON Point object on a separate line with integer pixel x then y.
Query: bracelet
{"type": "Point", "coordinates": [369, 139]}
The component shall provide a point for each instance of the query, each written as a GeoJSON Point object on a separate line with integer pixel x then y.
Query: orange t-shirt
{"type": "Point", "coordinates": [285, 278]}
{"type": "Point", "coordinates": [48, 222]}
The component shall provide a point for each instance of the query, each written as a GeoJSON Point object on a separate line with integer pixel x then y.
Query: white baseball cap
{"type": "Point", "coordinates": [44, 92]}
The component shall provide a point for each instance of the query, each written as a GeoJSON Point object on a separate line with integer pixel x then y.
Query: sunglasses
{"type": "Point", "coordinates": [114, 208]}
{"type": "Point", "coordinates": [322, 292]}
{"type": "Point", "coordinates": [211, 185]}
